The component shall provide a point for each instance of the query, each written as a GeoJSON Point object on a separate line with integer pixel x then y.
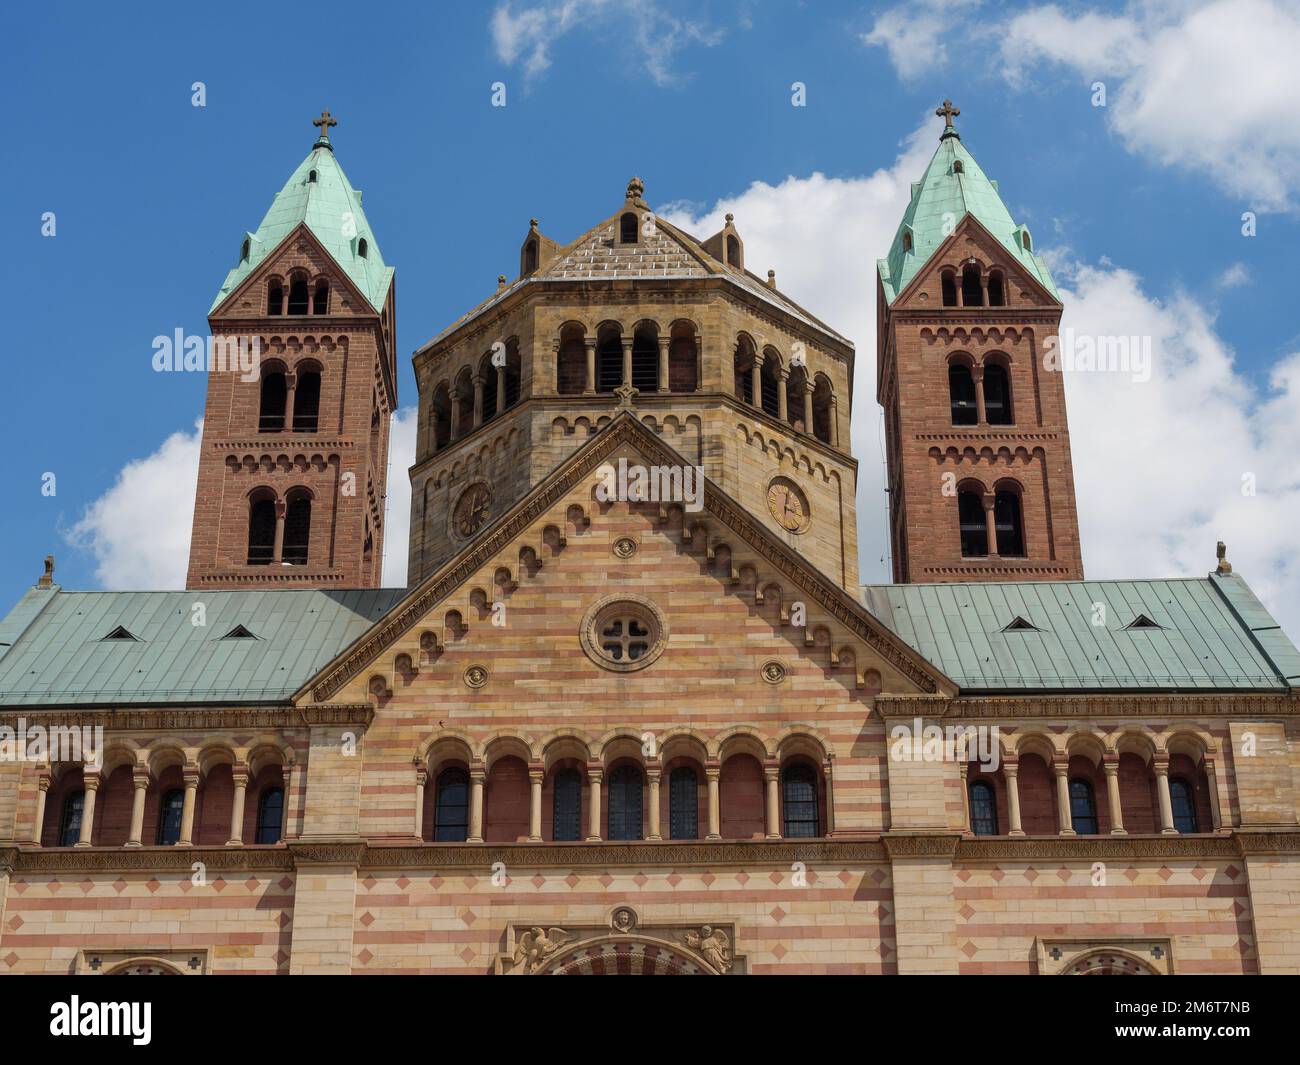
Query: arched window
{"type": "Point", "coordinates": [74, 806]}
{"type": "Point", "coordinates": [244, 250]}
{"type": "Point", "coordinates": [1083, 808]}
{"type": "Point", "coordinates": [306, 402]}
{"type": "Point", "coordinates": [363, 249]}
{"type": "Point", "coordinates": [961, 395]}
{"type": "Point", "coordinates": [974, 527]}
{"type": "Point", "coordinates": [770, 383]}
{"type": "Point", "coordinates": [451, 807]}
{"type": "Point", "coordinates": [1008, 525]}
{"type": "Point", "coordinates": [530, 256]}
{"type": "Point", "coordinates": [298, 295]}
{"type": "Point", "coordinates": [821, 405]}
{"type": "Point", "coordinates": [799, 798]}
{"type": "Point", "coordinates": [1184, 804]}
{"type": "Point", "coordinates": [625, 802]}
{"type": "Point", "coordinates": [274, 395]}
{"type": "Point", "coordinates": [997, 395]}
{"type": "Point", "coordinates": [972, 294]}
{"type": "Point", "coordinates": [275, 297]}
{"type": "Point", "coordinates": [297, 530]}
{"type": "Point", "coordinates": [645, 360]}
{"type": "Point", "coordinates": [627, 228]}
{"type": "Point", "coordinates": [488, 373]}
{"type": "Point", "coordinates": [261, 529]}
{"type": "Point", "coordinates": [983, 809]}
{"type": "Point", "coordinates": [270, 815]}
{"type": "Point", "coordinates": [683, 366]}
{"type": "Point", "coordinates": [321, 300]}
{"type": "Point", "coordinates": [311, 177]}
{"type": "Point", "coordinates": [958, 167]}
{"type": "Point", "coordinates": [567, 805]}
{"type": "Point", "coordinates": [997, 289]}
{"type": "Point", "coordinates": [796, 388]}
{"type": "Point", "coordinates": [683, 804]}
{"type": "Point", "coordinates": [907, 240]}
{"type": "Point", "coordinates": [733, 252]}
{"type": "Point", "coordinates": [170, 811]}
{"type": "Point", "coordinates": [609, 361]}
{"type": "Point", "coordinates": [571, 362]}
{"type": "Point", "coordinates": [742, 365]}
{"type": "Point", "coordinates": [440, 413]}
{"type": "Point", "coordinates": [949, 284]}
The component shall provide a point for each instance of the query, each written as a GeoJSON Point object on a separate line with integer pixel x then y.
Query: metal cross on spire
{"type": "Point", "coordinates": [948, 113]}
{"type": "Point", "coordinates": [323, 124]}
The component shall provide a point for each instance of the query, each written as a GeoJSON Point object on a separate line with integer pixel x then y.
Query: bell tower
{"type": "Point", "coordinates": [293, 466]}
{"type": "Point", "coordinates": [981, 484]}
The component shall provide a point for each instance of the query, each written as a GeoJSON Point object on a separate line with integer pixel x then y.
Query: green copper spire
{"type": "Point", "coordinates": [319, 194]}
{"type": "Point", "coordinates": [952, 187]}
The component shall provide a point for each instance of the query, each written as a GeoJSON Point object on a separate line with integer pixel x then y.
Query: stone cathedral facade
{"type": "Point", "coordinates": [634, 711]}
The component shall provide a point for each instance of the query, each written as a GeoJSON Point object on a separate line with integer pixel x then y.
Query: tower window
{"type": "Point", "coordinates": [261, 530]}
{"type": "Point", "coordinates": [567, 801]}
{"type": "Point", "coordinates": [974, 527]}
{"type": "Point", "coordinates": [306, 402]}
{"type": "Point", "coordinates": [645, 361]}
{"type": "Point", "coordinates": [972, 294]}
{"type": "Point", "coordinates": [530, 256]}
{"type": "Point", "coordinates": [1008, 524]}
{"type": "Point", "coordinates": [799, 798]}
{"type": "Point", "coordinates": [363, 249]}
{"type": "Point", "coordinates": [451, 810]}
{"type": "Point", "coordinates": [169, 818]}
{"type": "Point", "coordinates": [298, 296]}
{"type": "Point", "coordinates": [983, 809]}
{"type": "Point", "coordinates": [270, 815]}
{"type": "Point", "coordinates": [949, 285]}
{"type": "Point", "coordinates": [957, 166]}
{"type": "Point", "coordinates": [997, 395]}
{"type": "Point", "coordinates": [733, 252]}
{"type": "Point", "coordinates": [961, 395]}
{"type": "Point", "coordinates": [321, 300]}
{"type": "Point", "coordinates": [311, 177]}
{"type": "Point", "coordinates": [1083, 808]}
{"type": "Point", "coordinates": [74, 807]}
{"type": "Point", "coordinates": [1180, 797]}
{"type": "Point", "coordinates": [683, 804]}
{"type": "Point", "coordinates": [1024, 239]}
{"type": "Point", "coordinates": [244, 250]}
{"type": "Point", "coordinates": [769, 384]}
{"type": "Point", "coordinates": [907, 240]}
{"type": "Point", "coordinates": [609, 363]}
{"type": "Point", "coordinates": [625, 802]}
{"type": "Point", "coordinates": [274, 397]}
{"type": "Point", "coordinates": [627, 228]}
{"type": "Point", "coordinates": [275, 298]}
{"type": "Point", "coordinates": [297, 530]}
{"type": "Point", "coordinates": [997, 290]}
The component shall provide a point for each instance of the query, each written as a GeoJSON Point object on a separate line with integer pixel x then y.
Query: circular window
{"type": "Point", "coordinates": [624, 633]}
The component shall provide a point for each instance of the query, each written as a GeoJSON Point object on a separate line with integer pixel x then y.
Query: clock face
{"type": "Point", "coordinates": [472, 509]}
{"type": "Point", "coordinates": [788, 505]}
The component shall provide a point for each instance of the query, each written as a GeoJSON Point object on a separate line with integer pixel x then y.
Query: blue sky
{"type": "Point", "coordinates": [1139, 202]}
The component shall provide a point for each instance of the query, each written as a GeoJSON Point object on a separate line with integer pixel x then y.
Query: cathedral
{"type": "Point", "coordinates": [634, 711]}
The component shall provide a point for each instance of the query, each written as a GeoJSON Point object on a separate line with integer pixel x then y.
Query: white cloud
{"type": "Point", "coordinates": [1158, 466]}
{"type": "Point", "coordinates": [139, 530]}
{"type": "Point", "coordinates": [527, 35]}
{"type": "Point", "coordinates": [397, 512]}
{"type": "Point", "coordinates": [1207, 86]}
{"type": "Point", "coordinates": [1234, 276]}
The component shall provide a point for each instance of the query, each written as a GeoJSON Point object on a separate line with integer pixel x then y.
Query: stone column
{"type": "Point", "coordinates": [1011, 774]}
{"type": "Point", "coordinates": [477, 779]}
{"type": "Point", "coordinates": [191, 778]}
{"type": "Point", "coordinates": [627, 362]}
{"type": "Point", "coordinates": [714, 774]}
{"type": "Point", "coordinates": [990, 523]}
{"type": "Point", "coordinates": [664, 342]}
{"type": "Point", "coordinates": [536, 777]}
{"type": "Point", "coordinates": [1162, 790]}
{"type": "Point", "coordinates": [699, 362]}
{"type": "Point", "coordinates": [281, 508]}
{"type": "Point", "coordinates": [807, 407]}
{"type": "Point", "coordinates": [290, 389]}
{"type": "Point", "coordinates": [782, 400]}
{"type": "Point", "coordinates": [835, 421]}
{"type": "Point", "coordinates": [964, 770]}
{"type": "Point", "coordinates": [287, 770]}
{"type": "Point", "coordinates": [1064, 818]}
{"type": "Point", "coordinates": [431, 440]}
{"type": "Point", "coordinates": [593, 802]}
{"type": "Point", "coordinates": [756, 379]}
{"type": "Point", "coordinates": [1111, 766]}
{"type": "Point", "coordinates": [771, 780]}
{"type": "Point", "coordinates": [478, 399]}
{"type": "Point", "coordinates": [589, 388]}
{"type": "Point", "coordinates": [42, 793]}
{"type": "Point", "coordinates": [977, 375]}
{"type": "Point", "coordinates": [140, 791]}
{"type": "Point", "coordinates": [828, 774]}
{"type": "Point", "coordinates": [653, 774]}
{"type": "Point", "coordinates": [501, 388]}
{"type": "Point", "coordinates": [239, 774]}
{"type": "Point", "coordinates": [454, 396]}
{"type": "Point", "coordinates": [421, 778]}
{"type": "Point", "coordinates": [1212, 781]}
{"type": "Point", "coordinates": [91, 782]}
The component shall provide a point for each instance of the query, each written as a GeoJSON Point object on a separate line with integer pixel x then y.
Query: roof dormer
{"type": "Point", "coordinates": [726, 245]}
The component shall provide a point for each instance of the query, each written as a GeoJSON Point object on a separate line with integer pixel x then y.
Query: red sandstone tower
{"type": "Point", "coordinates": [981, 485]}
{"type": "Point", "coordinates": [293, 467]}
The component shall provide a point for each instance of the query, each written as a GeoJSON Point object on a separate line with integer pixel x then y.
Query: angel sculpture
{"type": "Point", "coordinates": [538, 944]}
{"type": "Point", "coordinates": [713, 944]}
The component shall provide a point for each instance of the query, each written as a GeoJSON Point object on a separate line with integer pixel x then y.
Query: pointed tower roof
{"type": "Point", "coordinates": [331, 208]}
{"type": "Point", "coordinates": [952, 187]}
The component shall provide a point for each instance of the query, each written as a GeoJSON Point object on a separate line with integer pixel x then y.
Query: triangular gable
{"type": "Point", "coordinates": [597, 254]}
{"type": "Point", "coordinates": [360, 302]}
{"type": "Point", "coordinates": [580, 466]}
{"type": "Point", "coordinates": [1004, 260]}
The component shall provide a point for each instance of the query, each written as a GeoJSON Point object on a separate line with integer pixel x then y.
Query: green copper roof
{"type": "Point", "coordinates": [940, 200]}
{"type": "Point", "coordinates": [1213, 634]}
{"type": "Point", "coordinates": [331, 208]}
{"type": "Point", "coordinates": [57, 654]}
